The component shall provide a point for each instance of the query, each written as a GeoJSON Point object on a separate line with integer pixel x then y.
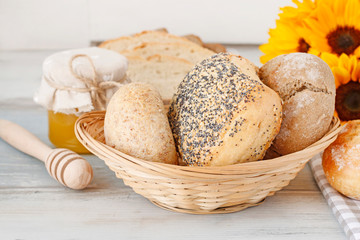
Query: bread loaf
{"type": "Point", "coordinates": [215, 47]}
{"type": "Point", "coordinates": [158, 58]}
{"type": "Point", "coordinates": [136, 124]}
{"type": "Point", "coordinates": [341, 161]}
{"type": "Point", "coordinates": [195, 39]}
{"type": "Point", "coordinates": [223, 114]}
{"type": "Point", "coordinates": [306, 86]}
{"type": "Point", "coordinates": [129, 42]}
{"type": "Point", "coordinates": [190, 52]}
{"type": "Point", "coordinates": [163, 72]}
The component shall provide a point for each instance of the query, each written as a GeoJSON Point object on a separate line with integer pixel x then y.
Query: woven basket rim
{"type": "Point", "coordinates": [194, 189]}
{"type": "Point", "coordinates": [87, 140]}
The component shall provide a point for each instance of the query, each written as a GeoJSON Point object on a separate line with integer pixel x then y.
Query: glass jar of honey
{"type": "Point", "coordinates": [75, 82]}
{"type": "Point", "coordinates": [61, 131]}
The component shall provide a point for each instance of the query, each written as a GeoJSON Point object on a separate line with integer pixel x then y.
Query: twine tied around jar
{"type": "Point", "coordinates": [97, 89]}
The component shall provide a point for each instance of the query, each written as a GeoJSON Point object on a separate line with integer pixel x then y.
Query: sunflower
{"type": "Point", "coordinates": [285, 38]}
{"type": "Point", "coordinates": [335, 27]}
{"type": "Point", "coordinates": [329, 29]}
{"type": "Point", "coordinates": [289, 35]}
{"type": "Point", "coordinates": [297, 14]}
{"type": "Point", "coordinates": [346, 70]}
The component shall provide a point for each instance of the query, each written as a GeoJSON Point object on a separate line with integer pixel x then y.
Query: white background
{"type": "Point", "coordinates": [50, 24]}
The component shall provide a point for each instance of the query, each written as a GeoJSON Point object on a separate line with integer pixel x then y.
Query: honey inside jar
{"type": "Point", "coordinates": [61, 131]}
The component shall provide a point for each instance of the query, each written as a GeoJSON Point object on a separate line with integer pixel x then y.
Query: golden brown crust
{"type": "Point", "coordinates": [195, 39]}
{"type": "Point", "coordinates": [107, 44]}
{"type": "Point", "coordinates": [223, 114]}
{"type": "Point", "coordinates": [216, 47]}
{"type": "Point", "coordinates": [128, 42]}
{"type": "Point", "coordinates": [161, 30]}
{"type": "Point", "coordinates": [341, 161]}
{"type": "Point", "coordinates": [162, 35]}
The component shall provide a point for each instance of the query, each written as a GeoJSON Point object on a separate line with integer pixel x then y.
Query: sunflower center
{"type": "Point", "coordinates": [303, 46]}
{"type": "Point", "coordinates": [344, 39]}
{"type": "Point", "coordinates": [347, 101]}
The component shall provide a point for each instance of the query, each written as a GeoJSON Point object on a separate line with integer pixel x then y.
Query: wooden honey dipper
{"type": "Point", "coordinates": [67, 167]}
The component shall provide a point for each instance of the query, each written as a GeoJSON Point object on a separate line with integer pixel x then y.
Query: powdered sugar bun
{"type": "Point", "coordinates": [341, 161]}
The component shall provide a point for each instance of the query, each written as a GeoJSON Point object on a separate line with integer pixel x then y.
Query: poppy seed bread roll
{"type": "Point", "coordinates": [136, 124]}
{"type": "Point", "coordinates": [223, 114]}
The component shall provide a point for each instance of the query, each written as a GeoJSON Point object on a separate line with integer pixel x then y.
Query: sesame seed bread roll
{"type": "Point", "coordinates": [306, 86]}
{"type": "Point", "coordinates": [223, 114]}
{"type": "Point", "coordinates": [136, 124]}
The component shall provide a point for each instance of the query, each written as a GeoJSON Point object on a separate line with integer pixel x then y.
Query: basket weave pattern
{"type": "Point", "coordinates": [199, 190]}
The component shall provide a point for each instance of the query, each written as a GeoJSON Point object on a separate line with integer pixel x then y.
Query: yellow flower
{"type": "Point", "coordinates": [285, 38]}
{"type": "Point", "coordinates": [335, 27]}
{"type": "Point", "coordinates": [346, 70]}
{"type": "Point", "coordinates": [329, 29]}
{"type": "Point", "coordinates": [289, 35]}
{"type": "Point", "coordinates": [296, 15]}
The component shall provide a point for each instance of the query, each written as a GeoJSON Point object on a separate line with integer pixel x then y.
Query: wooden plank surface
{"type": "Point", "coordinates": [34, 206]}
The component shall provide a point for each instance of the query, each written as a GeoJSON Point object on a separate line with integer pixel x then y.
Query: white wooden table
{"type": "Point", "coordinates": [34, 206]}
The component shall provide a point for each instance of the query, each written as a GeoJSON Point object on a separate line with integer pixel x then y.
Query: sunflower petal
{"type": "Point", "coordinates": [352, 10]}
{"type": "Point", "coordinates": [357, 52]}
{"type": "Point", "coordinates": [356, 72]}
{"type": "Point", "coordinates": [339, 9]}
{"type": "Point", "coordinates": [341, 75]}
{"type": "Point", "coordinates": [313, 24]}
{"type": "Point", "coordinates": [315, 52]}
{"type": "Point", "coordinates": [330, 59]}
{"type": "Point", "coordinates": [344, 61]}
{"type": "Point", "coordinates": [352, 67]}
{"type": "Point", "coordinates": [320, 43]}
{"type": "Point", "coordinates": [325, 16]}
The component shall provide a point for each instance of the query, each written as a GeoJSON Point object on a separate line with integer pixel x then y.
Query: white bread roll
{"type": "Point", "coordinates": [341, 161]}
{"type": "Point", "coordinates": [223, 114]}
{"type": "Point", "coordinates": [136, 124]}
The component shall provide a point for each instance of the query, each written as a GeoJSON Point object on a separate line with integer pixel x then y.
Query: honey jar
{"type": "Point", "coordinates": [61, 131]}
{"type": "Point", "coordinates": [75, 82]}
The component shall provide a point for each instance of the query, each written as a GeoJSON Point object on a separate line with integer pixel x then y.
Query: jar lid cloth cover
{"type": "Point", "coordinates": [80, 80]}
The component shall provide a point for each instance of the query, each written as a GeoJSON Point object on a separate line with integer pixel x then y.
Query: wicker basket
{"type": "Point", "coordinates": [199, 190]}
